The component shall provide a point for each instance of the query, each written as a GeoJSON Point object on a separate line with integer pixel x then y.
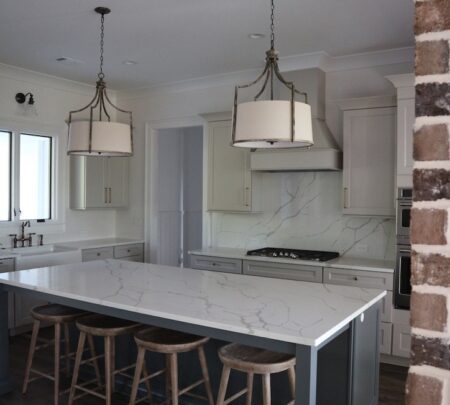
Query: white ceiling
{"type": "Point", "coordinates": [181, 39]}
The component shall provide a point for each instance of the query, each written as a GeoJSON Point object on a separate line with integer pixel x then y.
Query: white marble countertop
{"type": "Point", "coordinates": [98, 243]}
{"type": "Point", "coordinates": [356, 263]}
{"type": "Point", "coordinates": [285, 310]}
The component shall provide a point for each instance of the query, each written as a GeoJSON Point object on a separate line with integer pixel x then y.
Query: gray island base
{"type": "Point", "coordinates": [332, 330]}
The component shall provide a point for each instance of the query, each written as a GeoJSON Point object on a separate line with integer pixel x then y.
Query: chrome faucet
{"type": "Point", "coordinates": [23, 238]}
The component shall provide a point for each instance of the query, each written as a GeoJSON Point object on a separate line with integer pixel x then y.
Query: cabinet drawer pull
{"type": "Point", "coordinates": [98, 254]}
{"type": "Point", "coordinates": [345, 197]}
{"type": "Point", "coordinates": [355, 278]}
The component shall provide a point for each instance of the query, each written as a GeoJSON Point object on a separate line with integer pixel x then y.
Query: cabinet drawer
{"type": "Point", "coordinates": [401, 340]}
{"type": "Point", "coordinates": [97, 254]}
{"type": "Point", "coordinates": [385, 338]}
{"type": "Point", "coordinates": [358, 278]}
{"type": "Point", "coordinates": [282, 270]}
{"type": "Point", "coordinates": [6, 265]}
{"type": "Point", "coordinates": [128, 250]}
{"type": "Point", "coordinates": [138, 259]}
{"type": "Point", "coordinates": [216, 264]}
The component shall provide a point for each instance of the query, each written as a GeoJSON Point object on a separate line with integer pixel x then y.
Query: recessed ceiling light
{"type": "Point", "coordinates": [129, 62]}
{"type": "Point", "coordinates": [256, 35]}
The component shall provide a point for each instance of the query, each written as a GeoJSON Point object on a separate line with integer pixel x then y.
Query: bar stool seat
{"type": "Point", "coordinates": [108, 328]}
{"type": "Point", "coordinates": [58, 316]}
{"type": "Point", "coordinates": [252, 360]}
{"type": "Point", "coordinates": [171, 343]}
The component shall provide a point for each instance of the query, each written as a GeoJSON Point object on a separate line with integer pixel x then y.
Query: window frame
{"type": "Point", "coordinates": [57, 174]}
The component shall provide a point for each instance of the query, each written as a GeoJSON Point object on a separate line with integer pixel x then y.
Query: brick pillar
{"type": "Point", "coordinates": [429, 374]}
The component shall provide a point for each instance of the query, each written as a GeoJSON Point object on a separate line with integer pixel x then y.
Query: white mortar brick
{"type": "Point", "coordinates": [442, 204]}
{"type": "Point", "coordinates": [437, 290]}
{"type": "Point", "coordinates": [444, 337]}
{"type": "Point", "coordinates": [433, 36]}
{"type": "Point", "coordinates": [443, 78]}
{"type": "Point", "coordinates": [432, 164]}
{"type": "Point", "coordinates": [432, 249]}
{"type": "Point", "coordinates": [440, 119]}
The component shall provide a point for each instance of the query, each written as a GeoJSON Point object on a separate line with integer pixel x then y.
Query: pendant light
{"type": "Point", "coordinates": [99, 135]}
{"type": "Point", "coordinates": [272, 123]}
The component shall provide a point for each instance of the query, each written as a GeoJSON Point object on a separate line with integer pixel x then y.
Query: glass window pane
{"type": "Point", "coordinates": [35, 176]}
{"type": "Point", "coordinates": [5, 175]}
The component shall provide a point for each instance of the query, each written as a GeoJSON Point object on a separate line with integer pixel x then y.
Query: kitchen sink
{"type": "Point", "coordinates": [41, 250]}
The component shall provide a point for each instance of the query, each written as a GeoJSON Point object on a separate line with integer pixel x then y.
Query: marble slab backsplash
{"type": "Point", "coordinates": [304, 211]}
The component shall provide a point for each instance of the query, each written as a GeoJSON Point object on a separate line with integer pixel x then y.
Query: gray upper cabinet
{"type": "Point", "coordinates": [231, 184]}
{"type": "Point", "coordinates": [98, 182]}
{"type": "Point", "coordinates": [369, 161]}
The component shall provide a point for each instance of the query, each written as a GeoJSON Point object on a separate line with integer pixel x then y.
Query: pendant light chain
{"type": "Point", "coordinates": [101, 75]}
{"type": "Point", "coordinates": [272, 25]}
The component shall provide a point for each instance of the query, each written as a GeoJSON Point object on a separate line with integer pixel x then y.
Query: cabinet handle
{"type": "Point", "coordinates": [110, 195]}
{"type": "Point", "coordinates": [355, 278]}
{"type": "Point", "coordinates": [106, 195]}
{"type": "Point", "coordinates": [246, 196]}
{"type": "Point", "coordinates": [345, 197]}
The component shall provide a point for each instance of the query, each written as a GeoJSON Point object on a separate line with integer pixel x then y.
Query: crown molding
{"type": "Point", "coordinates": [33, 78]}
{"type": "Point", "coordinates": [319, 60]}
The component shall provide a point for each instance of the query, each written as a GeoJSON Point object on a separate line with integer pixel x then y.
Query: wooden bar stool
{"type": "Point", "coordinates": [251, 360]}
{"type": "Point", "coordinates": [58, 316]}
{"type": "Point", "coordinates": [108, 328]}
{"type": "Point", "coordinates": [171, 343]}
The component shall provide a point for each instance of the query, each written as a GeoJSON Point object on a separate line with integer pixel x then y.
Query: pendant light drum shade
{"type": "Point", "coordinates": [268, 124]}
{"type": "Point", "coordinates": [104, 138]}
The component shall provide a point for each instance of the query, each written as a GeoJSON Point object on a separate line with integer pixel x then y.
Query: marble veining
{"type": "Point", "coordinates": [304, 211]}
{"type": "Point", "coordinates": [290, 311]}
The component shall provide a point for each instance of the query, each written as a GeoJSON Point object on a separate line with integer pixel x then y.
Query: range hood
{"type": "Point", "coordinates": [325, 155]}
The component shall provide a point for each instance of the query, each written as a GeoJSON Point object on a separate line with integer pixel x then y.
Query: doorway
{"type": "Point", "coordinates": [177, 203]}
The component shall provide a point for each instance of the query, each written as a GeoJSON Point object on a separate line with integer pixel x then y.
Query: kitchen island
{"type": "Point", "coordinates": [332, 330]}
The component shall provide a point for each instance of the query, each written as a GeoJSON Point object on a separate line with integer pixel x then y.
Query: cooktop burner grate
{"type": "Point", "coordinates": [295, 254]}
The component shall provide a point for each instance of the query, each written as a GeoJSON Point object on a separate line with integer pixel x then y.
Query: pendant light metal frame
{"type": "Point", "coordinates": [270, 72]}
{"type": "Point", "coordinates": [100, 102]}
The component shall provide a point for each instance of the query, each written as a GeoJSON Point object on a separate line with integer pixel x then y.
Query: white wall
{"type": "Point", "coordinates": [54, 98]}
{"type": "Point", "coordinates": [156, 107]}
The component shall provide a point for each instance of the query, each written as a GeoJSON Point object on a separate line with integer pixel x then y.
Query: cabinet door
{"type": "Point", "coordinates": [369, 158]}
{"type": "Point", "coordinates": [229, 177]}
{"type": "Point", "coordinates": [117, 181]}
{"type": "Point", "coordinates": [221, 264]}
{"type": "Point", "coordinates": [401, 341]}
{"type": "Point", "coordinates": [95, 181]}
{"type": "Point", "coordinates": [405, 122]}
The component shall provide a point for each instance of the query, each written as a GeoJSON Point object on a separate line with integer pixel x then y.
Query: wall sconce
{"type": "Point", "coordinates": [21, 98]}
{"type": "Point", "coordinates": [26, 100]}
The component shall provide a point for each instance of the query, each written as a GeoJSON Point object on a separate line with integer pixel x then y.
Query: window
{"type": "Point", "coordinates": [35, 176]}
{"type": "Point", "coordinates": [5, 176]}
{"type": "Point", "coordinates": [26, 173]}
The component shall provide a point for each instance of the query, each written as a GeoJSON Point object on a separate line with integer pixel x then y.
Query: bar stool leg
{"type": "Point", "coordinates": [137, 374]}
{"type": "Point", "coordinates": [57, 361]}
{"type": "Point", "coordinates": [67, 348]}
{"type": "Point", "coordinates": [174, 377]}
{"type": "Point", "coordinates": [167, 377]}
{"type": "Point", "coordinates": [95, 361]}
{"type": "Point", "coordinates": [148, 384]}
{"type": "Point", "coordinates": [34, 336]}
{"type": "Point", "coordinates": [108, 367]}
{"type": "Point", "coordinates": [76, 367]}
{"type": "Point", "coordinates": [204, 367]}
{"type": "Point", "coordinates": [113, 364]}
{"type": "Point", "coordinates": [223, 385]}
{"type": "Point", "coordinates": [291, 375]}
{"type": "Point", "coordinates": [266, 389]}
{"type": "Point", "coordinates": [249, 388]}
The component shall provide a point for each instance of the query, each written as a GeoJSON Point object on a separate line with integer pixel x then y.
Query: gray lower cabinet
{"type": "Point", "coordinates": [222, 264]}
{"type": "Point", "coordinates": [7, 266]}
{"type": "Point", "coordinates": [297, 272]}
{"type": "Point", "coordinates": [132, 252]}
{"type": "Point", "coordinates": [358, 278]}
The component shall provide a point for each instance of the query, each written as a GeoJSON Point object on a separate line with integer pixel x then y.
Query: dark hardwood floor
{"type": "Point", "coordinates": [392, 382]}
